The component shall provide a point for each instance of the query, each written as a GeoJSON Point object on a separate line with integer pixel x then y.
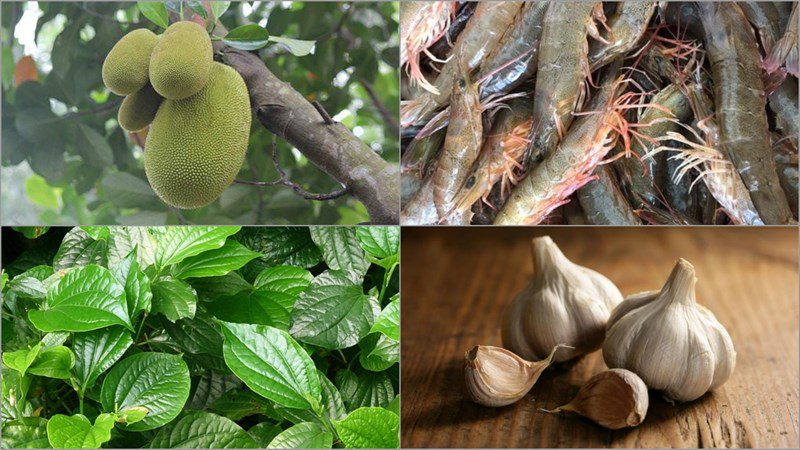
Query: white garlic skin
{"type": "Point", "coordinates": [674, 344]}
{"type": "Point", "coordinates": [564, 303]}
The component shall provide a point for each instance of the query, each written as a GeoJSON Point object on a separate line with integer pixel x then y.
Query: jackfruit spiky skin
{"type": "Point", "coordinates": [127, 66]}
{"type": "Point", "coordinates": [196, 146]}
{"type": "Point", "coordinates": [139, 109]}
{"type": "Point", "coordinates": [181, 61]}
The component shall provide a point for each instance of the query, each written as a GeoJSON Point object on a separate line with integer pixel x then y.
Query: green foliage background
{"type": "Point", "coordinates": [66, 161]}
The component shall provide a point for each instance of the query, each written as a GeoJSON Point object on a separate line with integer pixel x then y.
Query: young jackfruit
{"type": "Point", "coordinates": [181, 61]}
{"type": "Point", "coordinates": [197, 145]}
{"type": "Point", "coordinates": [139, 109]}
{"type": "Point", "coordinates": [127, 65]}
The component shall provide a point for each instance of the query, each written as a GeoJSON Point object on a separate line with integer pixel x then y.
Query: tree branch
{"type": "Point", "coordinates": [331, 147]}
{"type": "Point", "coordinates": [390, 119]}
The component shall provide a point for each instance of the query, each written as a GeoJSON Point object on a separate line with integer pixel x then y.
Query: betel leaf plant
{"type": "Point", "coordinates": [200, 337]}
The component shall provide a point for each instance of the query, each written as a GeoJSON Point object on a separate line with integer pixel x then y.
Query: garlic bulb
{"type": "Point", "coordinates": [673, 343]}
{"type": "Point", "coordinates": [563, 303]}
{"type": "Point", "coordinates": [615, 399]}
{"type": "Point", "coordinates": [497, 377]}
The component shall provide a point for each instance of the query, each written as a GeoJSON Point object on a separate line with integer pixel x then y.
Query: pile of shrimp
{"type": "Point", "coordinates": [608, 113]}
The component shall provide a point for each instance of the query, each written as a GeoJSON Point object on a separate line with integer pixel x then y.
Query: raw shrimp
{"type": "Point", "coordinates": [442, 47]}
{"type": "Point", "coordinates": [562, 73]}
{"type": "Point", "coordinates": [483, 31]}
{"type": "Point", "coordinates": [783, 102]}
{"type": "Point", "coordinates": [626, 28]}
{"type": "Point", "coordinates": [570, 166]}
{"type": "Point", "coordinates": [417, 162]}
{"type": "Point", "coordinates": [785, 50]}
{"type": "Point", "coordinates": [785, 154]}
{"type": "Point", "coordinates": [461, 146]}
{"type": "Point", "coordinates": [740, 107]}
{"type": "Point", "coordinates": [422, 24]}
{"type": "Point", "coordinates": [603, 203]}
{"type": "Point", "coordinates": [420, 209]}
{"type": "Point", "coordinates": [500, 155]}
{"type": "Point", "coordinates": [766, 20]}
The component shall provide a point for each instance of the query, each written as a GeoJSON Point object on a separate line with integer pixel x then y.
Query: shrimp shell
{"type": "Point", "coordinates": [627, 26]}
{"type": "Point", "coordinates": [422, 24]}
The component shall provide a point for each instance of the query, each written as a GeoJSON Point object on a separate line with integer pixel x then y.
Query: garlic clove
{"type": "Point", "coordinates": [562, 303]}
{"type": "Point", "coordinates": [497, 377]}
{"type": "Point", "coordinates": [614, 399]}
{"type": "Point", "coordinates": [671, 342]}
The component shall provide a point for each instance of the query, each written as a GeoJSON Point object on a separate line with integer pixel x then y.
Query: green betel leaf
{"type": "Point", "coordinates": [341, 250]}
{"type": "Point", "coordinates": [30, 283]}
{"type": "Point", "coordinates": [198, 336]}
{"type": "Point", "coordinates": [136, 283]}
{"type": "Point", "coordinates": [297, 47]}
{"type": "Point", "coordinates": [272, 364]}
{"type": "Point", "coordinates": [369, 428]}
{"type": "Point", "coordinates": [86, 299]}
{"type": "Point", "coordinates": [96, 351]}
{"type": "Point", "coordinates": [380, 242]}
{"type": "Point", "coordinates": [156, 381]}
{"type": "Point", "coordinates": [29, 432]}
{"type": "Point", "coordinates": [53, 362]}
{"type": "Point", "coordinates": [394, 405]}
{"type": "Point", "coordinates": [98, 233]}
{"type": "Point", "coordinates": [288, 279]}
{"type": "Point", "coordinates": [20, 360]}
{"type": "Point", "coordinates": [388, 321]}
{"type": "Point", "coordinates": [239, 403]}
{"type": "Point", "coordinates": [303, 435]}
{"type": "Point", "coordinates": [291, 246]}
{"type": "Point", "coordinates": [178, 243]}
{"type": "Point", "coordinates": [378, 352]}
{"type": "Point", "coordinates": [77, 432]}
{"type": "Point", "coordinates": [332, 405]}
{"type": "Point", "coordinates": [247, 37]}
{"type": "Point", "coordinates": [201, 429]}
{"type": "Point", "coordinates": [174, 298]}
{"type": "Point", "coordinates": [217, 262]}
{"type": "Point", "coordinates": [333, 313]}
{"type": "Point", "coordinates": [209, 386]}
{"type": "Point", "coordinates": [125, 239]}
{"type": "Point", "coordinates": [264, 433]}
{"type": "Point", "coordinates": [156, 12]}
{"type": "Point", "coordinates": [364, 389]}
{"type": "Point", "coordinates": [79, 249]}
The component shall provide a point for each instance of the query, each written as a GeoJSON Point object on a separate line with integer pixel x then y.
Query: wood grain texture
{"type": "Point", "coordinates": [456, 283]}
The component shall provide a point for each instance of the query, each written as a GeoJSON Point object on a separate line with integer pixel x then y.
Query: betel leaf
{"type": "Point", "coordinates": [289, 279]}
{"type": "Point", "coordinates": [198, 336]}
{"type": "Point", "coordinates": [380, 242]}
{"type": "Point", "coordinates": [53, 362]}
{"type": "Point", "coordinates": [210, 386]}
{"type": "Point", "coordinates": [247, 37]}
{"type": "Point", "coordinates": [156, 12]}
{"type": "Point", "coordinates": [137, 284]}
{"type": "Point", "coordinates": [303, 435]}
{"type": "Point", "coordinates": [264, 433]}
{"type": "Point", "coordinates": [214, 263]}
{"type": "Point", "coordinates": [239, 403]}
{"type": "Point", "coordinates": [78, 432]}
{"type": "Point", "coordinates": [388, 321]}
{"type": "Point", "coordinates": [291, 246]}
{"type": "Point", "coordinates": [30, 283]}
{"type": "Point", "coordinates": [297, 47]}
{"type": "Point", "coordinates": [369, 428]}
{"type": "Point", "coordinates": [178, 243]}
{"type": "Point", "coordinates": [79, 249]}
{"type": "Point", "coordinates": [21, 359]}
{"type": "Point", "coordinates": [86, 299]}
{"type": "Point", "coordinates": [200, 429]}
{"type": "Point", "coordinates": [364, 388]}
{"type": "Point", "coordinates": [394, 405]}
{"type": "Point", "coordinates": [332, 405]}
{"type": "Point", "coordinates": [28, 432]}
{"type": "Point", "coordinates": [378, 352]}
{"type": "Point", "coordinates": [212, 288]}
{"type": "Point", "coordinates": [98, 233]}
{"type": "Point", "coordinates": [96, 351]}
{"type": "Point", "coordinates": [156, 381]}
{"type": "Point", "coordinates": [124, 239]}
{"type": "Point", "coordinates": [272, 364]}
{"type": "Point", "coordinates": [341, 250]}
{"type": "Point", "coordinates": [333, 313]}
{"type": "Point", "coordinates": [174, 298]}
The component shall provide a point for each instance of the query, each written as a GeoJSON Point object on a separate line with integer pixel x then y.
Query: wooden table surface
{"type": "Point", "coordinates": [456, 282]}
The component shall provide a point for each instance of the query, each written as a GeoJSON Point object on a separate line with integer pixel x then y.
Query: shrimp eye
{"type": "Point", "coordinates": [470, 182]}
{"type": "Point", "coordinates": [461, 83]}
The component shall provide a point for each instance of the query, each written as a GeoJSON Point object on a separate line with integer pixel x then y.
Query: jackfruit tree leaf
{"type": "Point", "coordinates": [200, 429]}
{"type": "Point", "coordinates": [198, 8]}
{"type": "Point", "coordinates": [137, 284]}
{"type": "Point", "coordinates": [96, 351]}
{"type": "Point", "coordinates": [247, 37]}
{"type": "Point", "coordinates": [28, 432]}
{"type": "Point", "coordinates": [93, 147]}
{"type": "Point", "coordinates": [174, 298]}
{"type": "Point", "coordinates": [219, 8]}
{"type": "Point", "coordinates": [156, 12]}
{"type": "Point", "coordinates": [379, 242]}
{"type": "Point", "coordinates": [341, 250]}
{"type": "Point", "coordinates": [264, 433]}
{"type": "Point", "coordinates": [272, 364]}
{"type": "Point", "coordinates": [126, 190]}
{"type": "Point", "coordinates": [158, 382]}
{"type": "Point", "coordinates": [303, 435]}
{"type": "Point", "coordinates": [333, 313]}
{"type": "Point", "coordinates": [87, 298]}
{"type": "Point", "coordinates": [79, 249]}
{"type": "Point", "coordinates": [178, 243]}
{"type": "Point", "coordinates": [369, 428]}
{"type": "Point", "coordinates": [78, 432]}
{"type": "Point", "coordinates": [297, 47]}
{"type": "Point", "coordinates": [217, 262]}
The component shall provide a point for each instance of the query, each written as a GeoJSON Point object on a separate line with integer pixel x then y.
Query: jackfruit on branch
{"type": "Point", "coordinates": [139, 109]}
{"type": "Point", "coordinates": [196, 146]}
{"type": "Point", "coordinates": [127, 66]}
{"type": "Point", "coordinates": [181, 61]}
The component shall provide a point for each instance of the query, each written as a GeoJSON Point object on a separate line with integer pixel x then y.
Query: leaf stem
{"type": "Point", "coordinates": [80, 401]}
{"type": "Point", "coordinates": [387, 278]}
{"type": "Point", "coordinates": [343, 358]}
{"type": "Point", "coordinates": [141, 325]}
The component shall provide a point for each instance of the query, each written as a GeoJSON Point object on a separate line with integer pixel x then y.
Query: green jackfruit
{"type": "Point", "coordinates": [196, 146]}
{"type": "Point", "coordinates": [139, 109]}
{"type": "Point", "coordinates": [181, 61]}
{"type": "Point", "coordinates": [127, 65]}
